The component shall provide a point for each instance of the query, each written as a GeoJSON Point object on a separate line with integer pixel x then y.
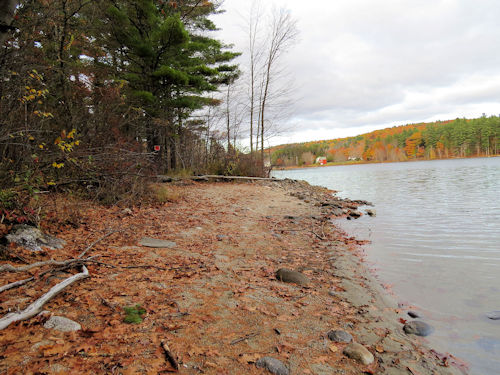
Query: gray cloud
{"type": "Point", "coordinates": [362, 64]}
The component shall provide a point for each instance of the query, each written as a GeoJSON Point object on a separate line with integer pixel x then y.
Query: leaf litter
{"type": "Point", "coordinates": [211, 304]}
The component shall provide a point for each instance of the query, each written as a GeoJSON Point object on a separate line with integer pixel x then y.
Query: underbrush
{"type": "Point", "coordinates": [239, 165]}
{"type": "Point", "coordinates": [164, 193]}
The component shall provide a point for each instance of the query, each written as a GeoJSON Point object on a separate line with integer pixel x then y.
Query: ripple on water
{"type": "Point", "coordinates": [435, 240]}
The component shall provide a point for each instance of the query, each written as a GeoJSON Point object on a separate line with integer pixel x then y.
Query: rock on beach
{"type": "Point", "coordinates": [273, 365]}
{"type": "Point", "coordinates": [493, 315]}
{"type": "Point", "coordinates": [33, 238]}
{"type": "Point", "coordinates": [339, 336]}
{"type": "Point", "coordinates": [60, 323]}
{"type": "Point", "coordinates": [289, 276]}
{"type": "Point", "coordinates": [414, 314]}
{"type": "Point", "coordinates": [156, 243]}
{"type": "Point", "coordinates": [418, 328]}
{"type": "Point", "coordinates": [359, 353]}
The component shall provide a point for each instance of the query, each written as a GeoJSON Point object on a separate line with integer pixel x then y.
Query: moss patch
{"type": "Point", "coordinates": [134, 314]}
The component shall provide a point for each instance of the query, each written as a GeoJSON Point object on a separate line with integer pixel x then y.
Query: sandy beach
{"type": "Point", "coordinates": [211, 293]}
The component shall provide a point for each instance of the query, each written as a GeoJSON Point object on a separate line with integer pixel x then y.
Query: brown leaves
{"type": "Point", "coordinates": [60, 348]}
{"type": "Point", "coordinates": [249, 357]}
{"type": "Point", "coordinates": [207, 294]}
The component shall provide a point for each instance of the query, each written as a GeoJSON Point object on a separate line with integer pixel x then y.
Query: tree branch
{"type": "Point", "coordinates": [36, 306]}
{"type": "Point", "coordinates": [65, 263]}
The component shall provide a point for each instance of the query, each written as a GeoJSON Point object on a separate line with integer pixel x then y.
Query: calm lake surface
{"type": "Point", "coordinates": [435, 240]}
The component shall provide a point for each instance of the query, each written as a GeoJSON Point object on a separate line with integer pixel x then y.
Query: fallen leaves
{"type": "Point", "coordinates": [207, 297]}
{"type": "Point", "coordinates": [59, 348]}
{"type": "Point", "coordinates": [249, 357]}
{"type": "Point", "coordinates": [333, 348]}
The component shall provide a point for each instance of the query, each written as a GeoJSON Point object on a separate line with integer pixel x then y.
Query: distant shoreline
{"type": "Point", "coordinates": [337, 164]}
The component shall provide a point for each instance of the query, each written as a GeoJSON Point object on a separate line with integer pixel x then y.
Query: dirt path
{"type": "Point", "coordinates": [214, 296]}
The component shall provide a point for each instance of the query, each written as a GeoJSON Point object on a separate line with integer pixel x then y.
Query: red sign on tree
{"type": "Point", "coordinates": [156, 147]}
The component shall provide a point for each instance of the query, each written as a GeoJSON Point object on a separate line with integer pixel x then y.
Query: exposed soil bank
{"type": "Point", "coordinates": [212, 294]}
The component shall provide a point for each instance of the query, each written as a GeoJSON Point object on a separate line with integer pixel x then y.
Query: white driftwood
{"type": "Point", "coordinates": [62, 263]}
{"type": "Point", "coordinates": [15, 284]}
{"type": "Point", "coordinates": [10, 268]}
{"type": "Point", "coordinates": [36, 306]}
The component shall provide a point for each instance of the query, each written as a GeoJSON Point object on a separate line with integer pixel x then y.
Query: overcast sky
{"type": "Point", "coordinates": [361, 65]}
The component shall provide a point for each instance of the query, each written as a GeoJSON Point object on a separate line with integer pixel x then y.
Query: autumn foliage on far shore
{"type": "Point", "coordinates": [425, 141]}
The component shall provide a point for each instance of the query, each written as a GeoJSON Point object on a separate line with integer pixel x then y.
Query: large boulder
{"type": "Point", "coordinates": [33, 238]}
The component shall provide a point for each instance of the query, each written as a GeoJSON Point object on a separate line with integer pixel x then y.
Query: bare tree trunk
{"type": "Point", "coordinates": [254, 59]}
{"type": "Point", "coordinates": [228, 123]}
{"type": "Point", "coordinates": [283, 32]}
{"type": "Point", "coordinates": [7, 10]}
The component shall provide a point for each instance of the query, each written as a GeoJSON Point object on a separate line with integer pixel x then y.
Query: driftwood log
{"type": "Point", "coordinates": [208, 177]}
{"type": "Point", "coordinates": [37, 306]}
{"type": "Point", "coordinates": [15, 284]}
{"type": "Point", "coordinates": [10, 268]}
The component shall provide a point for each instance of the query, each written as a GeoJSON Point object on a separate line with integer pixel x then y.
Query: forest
{"type": "Point", "coordinates": [96, 96]}
{"type": "Point", "coordinates": [425, 141]}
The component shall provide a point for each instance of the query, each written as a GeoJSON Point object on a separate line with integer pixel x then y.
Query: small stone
{"type": "Point", "coordinates": [355, 214]}
{"type": "Point", "coordinates": [371, 213]}
{"type": "Point", "coordinates": [339, 336]}
{"type": "Point", "coordinates": [127, 211]}
{"type": "Point", "coordinates": [337, 212]}
{"type": "Point", "coordinates": [273, 365]}
{"type": "Point", "coordinates": [332, 293]}
{"type": "Point", "coordinates": [288, 276]}
{"type": "Point", "coordinates": [418, 328]}
{"type": "Point", "coordinates": [221, 237]}
{"type": "Point", "coordinates": [359, 353]}
{"type": "Point", "coordinates": [414, 314]}
{"type": "Point", "coordinates": [493, 315]}
{"type": "Point", "coordinates": [156, 243]}
{"type": "Point", "coordinates": [60, 323]}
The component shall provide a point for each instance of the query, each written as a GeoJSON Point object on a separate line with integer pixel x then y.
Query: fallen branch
{"type": "Point", "coordinates": [65, 266]}
{"type": "Point", "coordinates": [62, 263]}
{"type": "Point", "coordinates": [163, 178]}
{"type": "Point", "coordinates": [317, 235]}
{"type": "Point", "coordinates": [36, 306]}
{"type": "Point", "coordinates": [145, 266]}
{"type": "Point", "coordinates": [169, 355]}
{"type": "Point", "coordinates": [15, 284]}
{"type": "Point", "coordinates": [249, 336]}
{"type": "Point", "coordinates": [98, 240]}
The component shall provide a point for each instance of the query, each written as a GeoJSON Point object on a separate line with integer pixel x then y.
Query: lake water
{"type": "Point", "coordinates": [435, 240]}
